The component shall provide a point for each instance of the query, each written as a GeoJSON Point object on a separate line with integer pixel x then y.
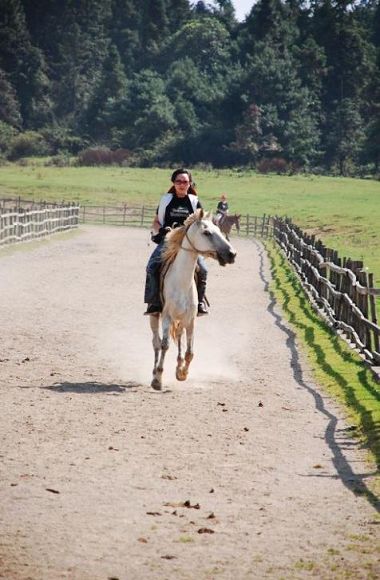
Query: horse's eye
{"type": "Point", "coordinates": [207, 233]}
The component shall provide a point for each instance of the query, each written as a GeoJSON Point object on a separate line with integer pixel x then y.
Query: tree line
{"type": "Point", "coordinates": [294, 87]}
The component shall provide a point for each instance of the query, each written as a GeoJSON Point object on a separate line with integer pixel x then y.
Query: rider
{"type": "Point", "coordinates": [222, 208]}
{"type": "Point", "coordinates": [173, 209]}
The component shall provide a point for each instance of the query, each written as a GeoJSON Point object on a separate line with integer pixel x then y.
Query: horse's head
{"type": "Point", "coordinates": [204, 237]}
{"type": "Point", "coordinates": [237, 221]}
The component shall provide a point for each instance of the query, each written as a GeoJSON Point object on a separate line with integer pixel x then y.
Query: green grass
{"type": "Point", "coordinates": [338, 369]}
{"type": "Point", "coordinates": [342, 212]}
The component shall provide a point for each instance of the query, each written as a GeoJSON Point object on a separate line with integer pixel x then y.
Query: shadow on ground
{"type": "Point", "coordinates": [92, 387]}
{"type": "Point", "coordinates": [336, 439]}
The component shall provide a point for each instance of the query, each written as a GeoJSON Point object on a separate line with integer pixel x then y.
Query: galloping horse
{"type": "Point", "coordinates": [225, 223]}
{"type": "Point", "coordinates": [197, 236]}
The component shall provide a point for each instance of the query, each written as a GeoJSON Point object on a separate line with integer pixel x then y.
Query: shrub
{"type": "Point", "coordinates": [62, 141]}
{"type": "Point", "coordinates": [58, 161]}
{"type": "Point", "coordinates": [103, 156]}
{"type": "Point", "coordinates": [273, 165]}
{"type": "Point", "coordinates": [28, 144]}
{"type": "Point", "coordinates": [7, 133]}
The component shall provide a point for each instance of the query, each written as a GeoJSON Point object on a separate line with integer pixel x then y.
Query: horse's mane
{"type": "Point", "coordinates": [174, 238]}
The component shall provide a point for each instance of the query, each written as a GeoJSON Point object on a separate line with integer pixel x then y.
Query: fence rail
{"type": "Point", "coordinates": [136, 215]}
{"type": "Point", "coordinates": [341, 289]}
{"type": "Point", "coordinates": [143, 215]}
{"type": "Point", "coordinates": [25, 224]}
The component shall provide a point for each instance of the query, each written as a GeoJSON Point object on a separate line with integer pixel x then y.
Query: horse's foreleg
{"type": "Point", "coordinates": [159, 365]}
{"type": "Point", "coordinates": [189, 354]}
{"type": "Point", "coordinates": [180, 360]}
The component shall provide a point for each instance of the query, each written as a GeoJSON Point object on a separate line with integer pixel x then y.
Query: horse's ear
{"type": "Point", "coordinates": [201, 214]}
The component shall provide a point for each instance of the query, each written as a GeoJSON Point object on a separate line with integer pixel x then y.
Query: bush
{"type": "Point", "coordinates": [28, 144]}
{"type": "Point", "coordinates": [62, 141]}
{"type": "Point", "coordinates": [274, 165]}
{"type": "Point", "coordinates": [103, 156]}
{"type": "Point", "coordinates": [7, 133]}
{"type": "Point", "coordinates": [58, 161]}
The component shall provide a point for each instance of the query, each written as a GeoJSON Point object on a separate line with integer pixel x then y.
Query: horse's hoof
{"type": "Point", "coordinates": [181, 375]}
{"type": "Point", "coordinates": [156, 385]}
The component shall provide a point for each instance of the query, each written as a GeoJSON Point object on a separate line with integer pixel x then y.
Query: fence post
{"type": "Point", "coordinates": [372, 306]}
{"type": "Point", "coordinates": [262, 227]}
{"type": "Point", "coordinates": [142, 215]}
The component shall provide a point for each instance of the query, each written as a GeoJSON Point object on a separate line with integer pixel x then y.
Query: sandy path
{"type": "Point", "coordinates": [247, 448]}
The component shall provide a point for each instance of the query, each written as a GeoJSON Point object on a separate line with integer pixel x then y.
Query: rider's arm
{"type": "Point", "coordinates": [156, 225]}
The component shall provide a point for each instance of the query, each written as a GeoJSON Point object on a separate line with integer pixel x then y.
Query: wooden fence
{"type": "Point", "coordinates": [22, 224]}
{"type": "Point", "coordinates": [143, 215]}
{"type": "Point", "coordinates": [340, 288]}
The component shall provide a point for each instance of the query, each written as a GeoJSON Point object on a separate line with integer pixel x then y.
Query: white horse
{"type": "Point", "coordinates": [197, 236]}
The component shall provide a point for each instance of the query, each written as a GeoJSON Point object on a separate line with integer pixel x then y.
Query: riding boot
{"type": "Point", "coordinates": [201, 288]}
{"type": "Point", "coordinates": [152, 292]}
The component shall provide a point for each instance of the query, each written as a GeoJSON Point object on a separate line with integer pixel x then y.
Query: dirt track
{"type": "Point", "coordinates": [246, 471]}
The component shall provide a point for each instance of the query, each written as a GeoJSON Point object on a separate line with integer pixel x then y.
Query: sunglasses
{"type": "Point", "coordinates": [181, 181]}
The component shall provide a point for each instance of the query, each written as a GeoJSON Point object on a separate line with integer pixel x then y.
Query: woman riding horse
{"type": "Point", "coordinates": [174, 208]}
{"type": "Point", "coordinates": [197, 237]}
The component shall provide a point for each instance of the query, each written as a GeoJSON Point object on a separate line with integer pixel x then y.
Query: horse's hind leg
{"type": "Point", "coordinates": [156, 341]}
{"type": "Point", "coordinates": [159, 364]}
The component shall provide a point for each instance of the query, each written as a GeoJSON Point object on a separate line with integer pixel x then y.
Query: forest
{"type": "Point", "coordinates": [294, 87]}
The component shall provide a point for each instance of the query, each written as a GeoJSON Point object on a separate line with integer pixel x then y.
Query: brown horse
{"type": "Point", "coordinates": [225, 223]}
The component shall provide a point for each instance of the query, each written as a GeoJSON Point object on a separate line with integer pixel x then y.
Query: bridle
{"type": "Point", "coordinates": [193, 249]}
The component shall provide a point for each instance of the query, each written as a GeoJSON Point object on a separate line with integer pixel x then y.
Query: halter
{"type": "Point", "coordinates": [193, 249]}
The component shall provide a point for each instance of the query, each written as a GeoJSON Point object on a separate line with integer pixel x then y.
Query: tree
{"type": "Point", "coordinates": [154, 26]}
{"type": "Point", "coordinates": [271, 21]}
{"type": "Point", "coordinates": [24, 65]}
{"type": "Point", "coordinates": [125, 25]}
{"type": "Point", "coordinates": [350, 69]}
{"type": "Point", "coordinates": [225, 13]}
{"type": "Point", "coordinates": [145, 114]}
{"type": "Point", "coordinates": [112, 86]}
{"type": "Point", "coordinates": [9, 105]}
{"type": "Point", "coordinates": [345, 137]}
{"type": "Point", "coordinates": [288, 120]}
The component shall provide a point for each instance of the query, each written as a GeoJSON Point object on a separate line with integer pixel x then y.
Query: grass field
{"type": "Point", "coordinates": [343, 212]}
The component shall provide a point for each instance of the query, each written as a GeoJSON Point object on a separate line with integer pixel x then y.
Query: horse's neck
{"type": "Point", "coordinates": [183, 267]}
